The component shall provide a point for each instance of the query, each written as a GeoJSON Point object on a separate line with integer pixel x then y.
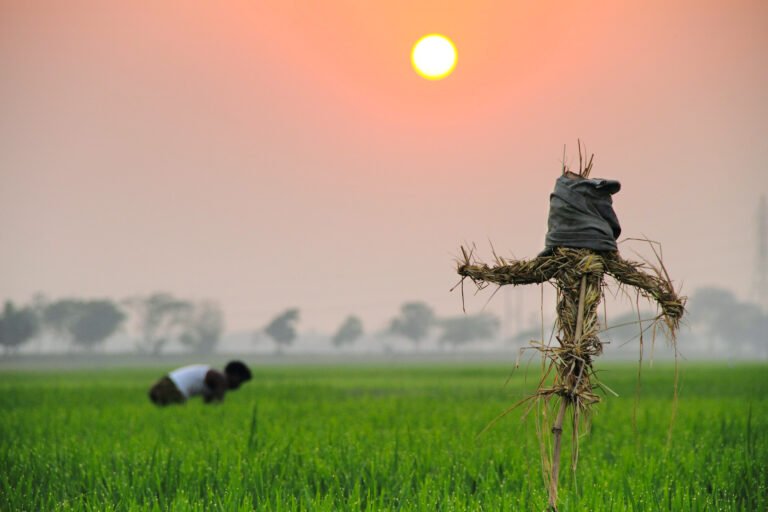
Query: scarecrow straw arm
{"type": "Point", "coordinates": [656, 285]}
{"type": "Point", "coordinates": [537, 270]}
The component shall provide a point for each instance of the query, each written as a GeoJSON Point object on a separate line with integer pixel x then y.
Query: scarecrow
{"type": "Point", "coordinates": [580, 250]}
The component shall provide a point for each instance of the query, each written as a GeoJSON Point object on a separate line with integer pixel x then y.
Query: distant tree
{"type": "Point", "coordinates": [162, 318]}
{"type": "Point", "coordinates": [204, 327]}
{"type": "Point", "coordinates": [84, 323]}
{"type": "Point", "coordinates": [723, 317]}
{"type": "Point", "coordinates": [38, 304]}
{"type": "Point", "coordinates": [711, 308]}
{"type": "Point", "coordinates": [17, 326]}
{"type": "Point", "coordinates": [414, 322]}
{"type": "Point", "coordinates": [282, 328]}
{"type": "Point", "coordinates": [348, 332]}
{"type": "Point", "coordinates": [59, 316]}
{"type": "Point", "coordinates": [460, 330]}
{"type": "Point", "coordinates": [96, 321]}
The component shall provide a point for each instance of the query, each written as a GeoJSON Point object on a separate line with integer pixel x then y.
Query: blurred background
{"type": "Point", "coordinates": [274, 178]}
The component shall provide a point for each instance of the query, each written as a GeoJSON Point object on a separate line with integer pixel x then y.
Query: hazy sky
{"type": "Point", "coordinates": [274, 154]}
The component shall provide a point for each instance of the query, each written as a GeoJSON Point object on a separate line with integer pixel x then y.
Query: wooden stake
{"type": "Point", "coordinates": [557, 428]}
{"type": "Point", "coordinates": [557, 431]}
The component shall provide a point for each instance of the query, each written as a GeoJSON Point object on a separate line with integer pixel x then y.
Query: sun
{"type": "Point", "coordinates": [434, 57]}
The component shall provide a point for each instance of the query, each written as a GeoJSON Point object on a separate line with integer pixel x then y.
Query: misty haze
{"type": "Point", "coordinates": [373, 256]}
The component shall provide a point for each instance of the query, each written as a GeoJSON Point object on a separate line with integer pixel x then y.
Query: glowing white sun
{"type": "Point", "coordinates": [434, 56]}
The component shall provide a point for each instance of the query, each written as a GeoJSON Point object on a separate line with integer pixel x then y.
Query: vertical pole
{"type": "Point", "coordinates": [557, 428]}
{"type": "Point", "coordinates": [557, 431]}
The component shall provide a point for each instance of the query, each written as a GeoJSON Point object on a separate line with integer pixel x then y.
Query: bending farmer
{"type": "Point", "coordinates": [198, 379]}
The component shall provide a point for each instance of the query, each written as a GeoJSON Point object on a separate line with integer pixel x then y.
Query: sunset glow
{"type": "Point", "coordinates": [434, 57]}
{"type": "Point", "coordinates": [305, 155]}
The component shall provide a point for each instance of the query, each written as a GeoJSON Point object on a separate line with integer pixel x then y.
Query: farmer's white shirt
{"type": "Point", "coordinates": [190, 379]}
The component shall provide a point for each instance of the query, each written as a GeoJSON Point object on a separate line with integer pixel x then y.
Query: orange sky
{"type": "Point", "coordinates": [273, 154]}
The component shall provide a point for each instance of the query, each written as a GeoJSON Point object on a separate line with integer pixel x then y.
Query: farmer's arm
{"type": "Point", "coordinates": [652, 285]}
{"type": "Point", "coordinates": [216, 386]}
{"type": "Point", "coordinates": [536, 270]}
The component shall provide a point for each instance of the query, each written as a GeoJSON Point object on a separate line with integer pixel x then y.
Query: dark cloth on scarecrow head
{"type": "Point", "coordinates": [581, 215]}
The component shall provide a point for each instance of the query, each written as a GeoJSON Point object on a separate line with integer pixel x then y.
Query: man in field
{"type": "Point", "coordinates": [199, 379]}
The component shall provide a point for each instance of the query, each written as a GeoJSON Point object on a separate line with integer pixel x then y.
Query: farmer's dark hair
{"type": "Point", "coordinates": [239, 369]}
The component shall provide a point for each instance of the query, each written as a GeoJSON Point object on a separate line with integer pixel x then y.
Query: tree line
{"type": "Point", "coordinates": [161, 319]}
{"type": "Point", "coordinates": [414, 322]}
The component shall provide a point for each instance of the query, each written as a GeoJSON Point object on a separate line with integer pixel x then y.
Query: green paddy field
{"type": "Point", "coordinates": [378, 437]}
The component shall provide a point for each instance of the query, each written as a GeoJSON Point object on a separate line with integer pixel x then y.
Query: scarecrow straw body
{"type": "Point", "coordinates": [578, 276]}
